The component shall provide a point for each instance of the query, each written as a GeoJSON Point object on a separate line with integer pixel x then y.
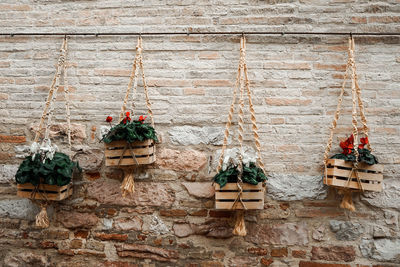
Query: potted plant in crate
{"type": "Point", "coordinates": [46, 174]}
{"type": "Point", "coordinates": [131, 142]}
{"type": "Point", "coordinates": [240, 182]}
{"type": "Point", "coordinates": [355, 169]}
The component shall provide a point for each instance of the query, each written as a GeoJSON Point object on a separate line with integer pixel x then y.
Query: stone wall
{"type": "Point", "coordinates": [170, 220]}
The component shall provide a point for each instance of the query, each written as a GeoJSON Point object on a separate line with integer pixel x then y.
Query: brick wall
{"type": "Point", "coordinates": [170, 220]}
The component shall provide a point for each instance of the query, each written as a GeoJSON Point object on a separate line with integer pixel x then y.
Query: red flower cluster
{"type": "Point", "coordinates": [141, 118]}
{"type": "Point", "coordinates": [364, 141]}
{"type": "Point", "coordinates": [347, 145]}
{"type": "Point", "coordinates": [109, 119]}
{"type": "Point", "coordinates": [127, 118]}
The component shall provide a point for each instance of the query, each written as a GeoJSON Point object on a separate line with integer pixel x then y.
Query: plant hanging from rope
{"type": "Point", "coordinates": [240, 186]}
{"type": "Point", "coordinates": [355, 168]}
{"type": "Point", "coordinates": [251, 174]}
{"type": "Point", "coordinates": [46, 173]}
{"type": "Point", "coordinates": [131, 142]}
{"type": "Point", "coordinates": [130, 130]}
{"type": "Point", "coordinates": [364, 155]}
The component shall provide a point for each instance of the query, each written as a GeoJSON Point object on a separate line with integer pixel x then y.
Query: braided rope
{"type": "Point", "coordinates": [131, 78]}
{"type": "Point", "coordinates": [51, 92]}
{"type": "Point", "coordinates": [241, 107]}
{"type": "Point", "coordinates": [337, 112]}
{"type": "Point", "coordinates": [134, 86]}
{"type": "Point", "coordinates": [146, 92]}
{"type": "Point", "coordinates": [66, 93]}
{"type": "Point", "coordinates": [229, 122]}
{"type": "Point", "coordinates": [253, 121]}
{"type": "Point", "coordinates": [354, 106]}
{"type": "Point", "coordinates": [360, 104]}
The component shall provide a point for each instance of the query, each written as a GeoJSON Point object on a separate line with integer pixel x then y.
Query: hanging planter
{"type": "Point", "coordinates": [355, 169]}
{"type": "Point", "coordinates": [131, 142]}
{"type": "Point", "coordinates": [240, 184]}
{"type": "Point", "coordinates": [46, 174]}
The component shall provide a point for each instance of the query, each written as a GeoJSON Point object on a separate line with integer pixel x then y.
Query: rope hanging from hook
{"type": "Point", "coordinates": [48, 109]}
{"type": "Point", "coordinates": [133, 80]}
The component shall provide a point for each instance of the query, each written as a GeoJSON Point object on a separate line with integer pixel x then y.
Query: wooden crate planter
{"type": "Point", "coordinates": [252, 196]}
{"type": "Point", "coordinates": [339, 170]}
{"type": "Point", "coordinates": [52, 192]}
{"type": "Point", "coordinates": [144, 153]}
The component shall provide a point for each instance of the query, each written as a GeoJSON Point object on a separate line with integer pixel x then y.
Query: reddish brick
{"type": "Point", "coordinates": [194, 91]}
{"type": "Point", "coordinates": [119, 264]}
{"type": "Point", "coordinates": [360, 20]}
{"type": "Point", "coordinates": [173, 213]}
{"type": "Point", "coordinates": [92, 176]}
{"type": "Point", "coordinates": [3, 96]}
{"type": "Point", "coordinates": [105, 236]}
{"type": "Point", "coordinates": [47, 244]}
{"type": "Point", "coordinates": [274, 101]}
{"type": "Point", "coordinates": [319, 66]}
{"type": "Point", "coordinates": [317, 264]}
{"type": "Point", "coordinates": [200, 213]}
{"type": "Point", "coordinates": [220, 213]}
{"type": "Point", "coordinates": [258, 251]}
{"type": "Point", "coordinates": [91, 253]}
{"type": "Point", "coordinates": [299, 254]}
{"type": "Point", "coordinates": [279, 252]}
{"type": "Point", "coordinates": [266, 262]}
{"type": "Point", "coordinates": [68, 252]}
{"type": "Point", "coordinates": [141, 237]}
{"type": "Point", "coordinates": [12, 139]}
{"type": "Point", "coordinates": [334, 253]}
{"type": "Point", "coordinates": [81, 234]}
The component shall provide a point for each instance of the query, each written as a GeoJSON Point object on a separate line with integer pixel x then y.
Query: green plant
{"type": "Point", "coordinates": [251, 174]}
{"type": "Point", "coordinates": [57, 171]}
{"type": "Point", "coordinates": [364, 155]}
{"type": "Point", "coordinates": [130, 130]}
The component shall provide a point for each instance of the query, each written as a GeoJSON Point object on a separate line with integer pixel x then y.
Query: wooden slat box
{"type": "Point", "coordinates": [252, 196]}
{"type": "Point", "coordinates": [52, 192]}
{"type": "Point", "coordinates": [145, 153]}
{"type": "Point", "coordinates": [339, 170]}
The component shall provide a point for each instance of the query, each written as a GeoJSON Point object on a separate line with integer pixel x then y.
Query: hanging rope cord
{"type": "Point", "coordinates": [356, 97]}
{"type": "Point", "coordinates": [242, 82]}
{"type": "Point", "coordinates": [51, 97]}
{"type": "Point", "coordinates": [133, 80]}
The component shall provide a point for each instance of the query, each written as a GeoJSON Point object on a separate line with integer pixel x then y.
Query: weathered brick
{"type": "Point", "coordinates": [173, 213]}
{"type": "Point", "coordinates": [279, 252]}
{"type": "Point", "coordinates": [106, 236]}
{"type": "Point", "coordinates": [12, 139]}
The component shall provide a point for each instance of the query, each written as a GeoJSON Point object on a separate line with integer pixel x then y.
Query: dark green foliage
{"type": "Point", "coordinates": [131, 132]}
{"type": "Point", "coordinates": [364, 156]}
{"type": "Point", "coordinates": [57, 171]}
{"type": "Point", "coordinates": [251, 175]}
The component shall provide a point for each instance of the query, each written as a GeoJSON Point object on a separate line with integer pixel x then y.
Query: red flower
{"type": "Point", "coordinates": [347, 145]}
{"type": "Point", "coordinates": [127, 114]}
{"type": "Point", "coordinates": [109, 119]}
{"type": "Point", "coordinates": [364, 141]}
{"type": "Point", "coordinates": [141, 118]}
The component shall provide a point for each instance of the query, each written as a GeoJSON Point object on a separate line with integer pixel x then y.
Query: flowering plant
{"type": "Point", "coordinates": [251, 174]}
{"type": "Point", "coordinates": [130, 130]}
{"type": "Point", "coordinates": [364, 155]}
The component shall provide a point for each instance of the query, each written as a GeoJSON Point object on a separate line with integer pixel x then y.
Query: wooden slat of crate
{"type": "Point", "coordinates": [144, 152]}
{"type": "Point", "coordinates": [361, 165]}
{"type": "Point", "coordinates": [339, 170]}
{"type": "Point", "coordinates": [52, 192]}
{"type": "Point", "coordinates": [252, 196]}
{"type": "Point", "coordinates": [354, 185]}
{"type": "Point", "coordinates": [362, 175]}
{"type": "Point", "coordinates": [238, 206]}
{"type": "Point", "coordinates": [130, 161]}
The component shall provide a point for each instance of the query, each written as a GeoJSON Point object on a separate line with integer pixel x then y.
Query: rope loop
{"type": "Point", "coordinates": [242, 85]}
{"type": "Point", "coordinates": [351, 71]}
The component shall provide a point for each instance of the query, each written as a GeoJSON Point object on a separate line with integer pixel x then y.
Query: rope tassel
{"type": "Point", "coordinates": [240, 226]}
{"type": "Point", "coordinates": [42, 220]}
{"type": "Point", "coordinates": [128, 185]}
{"type": "Point", "coordinates": [347, 201]}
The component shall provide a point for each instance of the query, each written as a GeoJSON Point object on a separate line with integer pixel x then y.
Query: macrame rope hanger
{"type": "Point", "coordinates": [242, 86]}
{"type": "Point", "coordinates": [128, 184]}
{"type": "Point", "coordinates": [356, 99]}
{"type": "Point", "coordinates": [42, 219]}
